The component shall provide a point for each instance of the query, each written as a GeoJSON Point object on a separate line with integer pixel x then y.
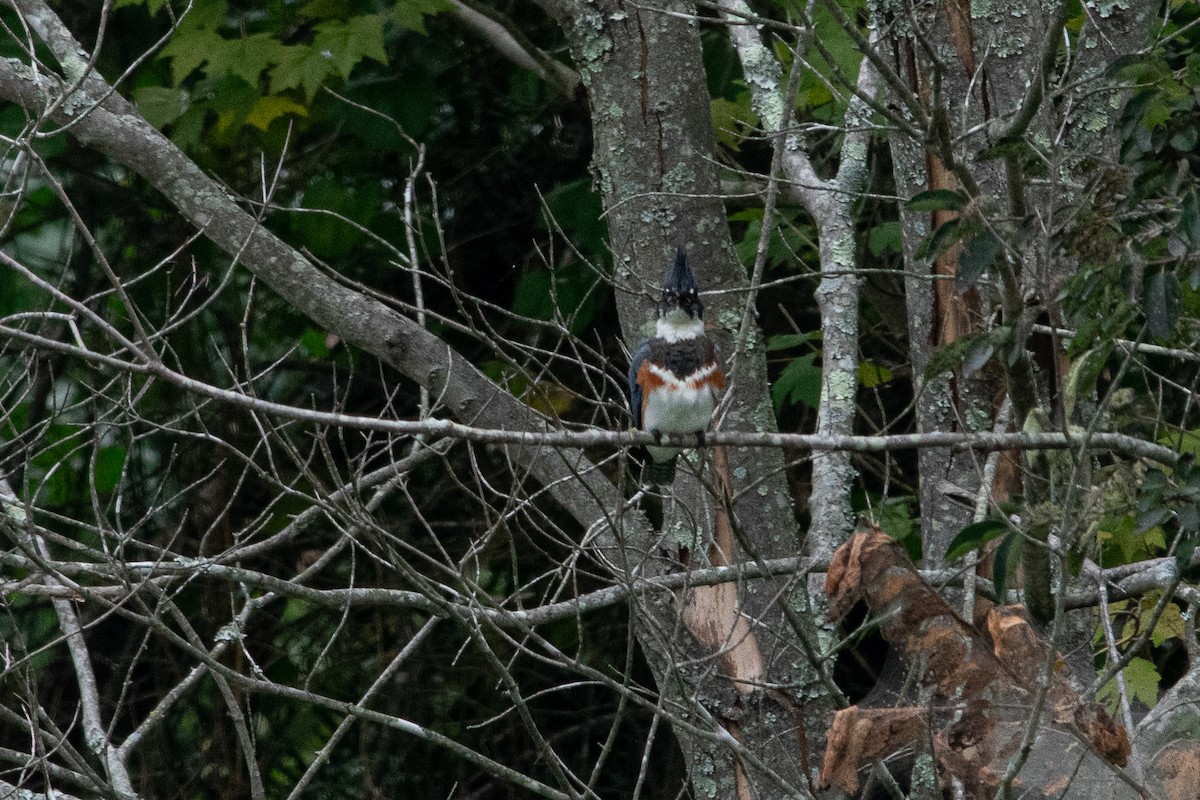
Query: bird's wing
{"type": "Point", "coordinates": [635, 388]}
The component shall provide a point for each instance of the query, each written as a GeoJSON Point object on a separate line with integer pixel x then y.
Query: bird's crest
{"type": "Point", "coordinates": [679, 290]}
{"type": "Point", "coordinates": [679, 278]}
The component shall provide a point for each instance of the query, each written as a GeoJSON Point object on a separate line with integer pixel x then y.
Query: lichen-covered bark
{"type": "Point", "coordinates": [937, 313]}
{"type": "Point", "coordinates": [830, 203]}
{"type": "Point", "coordinates": [999, 69]}
{"type": "Point", "coordinates": [838, 298]}
{"type": "Point", "coordinates": [838, 295]}
{"type": "Point", "coordinates": [983, 66]}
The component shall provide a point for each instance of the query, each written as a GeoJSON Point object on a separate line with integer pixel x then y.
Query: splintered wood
{"type": "Point", "coordinates": [981, 685]}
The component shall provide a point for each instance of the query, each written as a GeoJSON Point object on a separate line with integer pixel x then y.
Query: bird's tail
{"type": "Point", "coordinates": [659, 473]}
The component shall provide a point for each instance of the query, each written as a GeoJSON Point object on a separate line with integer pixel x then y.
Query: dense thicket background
{"type": "Point", "coordinates": [188, 577]}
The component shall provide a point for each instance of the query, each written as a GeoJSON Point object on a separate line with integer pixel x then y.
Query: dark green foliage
{"type": "Point", "coordinates": [977, 256]}
{"type": "Point", "coordinates": [243, 88]}
{"type": "Point", "coordinates": [975, 536]}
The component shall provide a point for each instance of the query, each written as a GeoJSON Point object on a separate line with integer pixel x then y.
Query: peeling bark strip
{"type": "Point", "coordinates": [984, 685]}
{"type": "Point", "coordinates": [713, 613]}
{"type": "Point", "coordinates": [957, 312]}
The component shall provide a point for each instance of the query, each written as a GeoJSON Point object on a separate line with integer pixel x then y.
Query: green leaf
{"type": "Point", "coordinates": [110, 465]}
{"type": "Point", "coordinates": [189, 128]}
{"type": "Point", "coordinates": [17, 294]}
{"type": "Point", "coordinates": [328, 236]}
{"type": "Point", "coordinates": [567, 291]}
{"type": "Point", "coordinates": [1151, 518]}
{"type": "Point", "coordinates": [1005, 148]}
{"type": "Point", "coordinates": [1170, 625]}
{"type": "Point", "coordinates": [731, 119]}
{"type": "Point", "coordinates": [1141, 684]}
{"type": "Point", "coordinates": [293, 611]}
{"type": "Point", "coordinates": [207, 16]}
{"type": "Point", "coordinates": [246, 57]}
{"type": "Point", "coordinates": [814, 89]}
{"type": "Point", "coordinates": [152, 6]}
{"type": "Point", "coordinates": [1004, 564]}
{"type": "Point", "coordinates": [937, 200]}
{"type": "Point", "coordinates": [315, 342]}
{"type": "Point", "coordinates": [1174, 90]}
{"type": "Point", "coordinates": [300, 67]}
{"type": "Point", "coordinates": [232, 99]}
{"type": "Point", "coordinates": [325, 9]}
{"type": "Point", "coordinates": [1155, 481]}
{"type": "Point", "coordinates": [977, 355]}
{"type": "Point", "coordinates": [270, 108]}
{"type": "Point", "coordinates": [161, 105]}
{"type": "Point", "coordinates": [813, 92]}
{"type": "Point", "coordinates": [977, 256]}
{"type": "Point", "coordinates": [946, 236]}
{"type": "Point", "coordinates": [347, 43]}
{"type": "Point", "coordinates": [800, 382]}
{"type": "Point", "coordinates": [885, 238]}
{"type": "Point", "coordinates": [788, 238]}
{"type": "Point", "coordinates": [1189, 218]}
{"type": "Point", "coordinates": [1119, 65]}
{"type": "Point", "coordinates": [1192, 67]}
{"type": "Point", "coordinates": [51, 146]}
{"type": "Point", "coordinates": [1160, 302]}
{"type": "Point", "coordinates": [976, 536]}
{"type": "Point", "coordinates": [1185, 140]}
{"type": "Point", "coordinates": [408, 100]}
{"type": "Point", "coordinates": [1187, 517]}
{"type": "Point", "coordinates": [578, 209]}
{"type": "Point", "coordinates": [949, 357]}
{"type": "Point", "coordinates": [1143, 69]}
{"type": "Point", "coordinates": [410, 14]}
{"type": "Point", "coordinates": [896, 517]}
{"type": "Point", "coordinates": [1186, 442]}
{"type": "Point", "coordinates": [189, 49]}
{"type": "Point", "coordinates": [871, 375]}
{"type": "Point", "coordinates": [1157, 113]}
{"type": "Point", "coordinates": [1183, 553]}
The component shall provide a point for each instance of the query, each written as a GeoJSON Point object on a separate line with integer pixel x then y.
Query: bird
{"type": "Point", "coordinates": [675, 376]}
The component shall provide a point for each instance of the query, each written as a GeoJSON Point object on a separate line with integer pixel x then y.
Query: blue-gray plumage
{"type": "Point", "coordinates": [674, 377]}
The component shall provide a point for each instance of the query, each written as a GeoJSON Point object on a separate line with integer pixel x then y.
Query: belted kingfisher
{"type": "Point", "coordinates": [675, 376]}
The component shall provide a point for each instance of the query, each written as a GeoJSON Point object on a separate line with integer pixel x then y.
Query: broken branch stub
{"type": "Point", "coordinates": [982, 686]}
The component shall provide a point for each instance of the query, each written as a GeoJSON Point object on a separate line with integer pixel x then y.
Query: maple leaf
{"type": "Point", "coordinates": [161, 105]}
{"type": "Point", "coordinates": [189, 52]}
{"type": "Point", "coordinates": [301, 67]}
{"type": "Point", "coordinates": [347, 43]}
{"type": "Point", "coordinates": [268, 109]}
{"type": "Point", "coordinates": [246, 57]}
{"type": "Point", "coordinates": [411, 15]}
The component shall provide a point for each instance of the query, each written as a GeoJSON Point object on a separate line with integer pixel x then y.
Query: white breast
{"type": "Point", "coordinates": [678, 407]}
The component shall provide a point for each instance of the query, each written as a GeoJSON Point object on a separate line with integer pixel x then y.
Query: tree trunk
{"type": "Point", "coordinates": [641, 66]}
